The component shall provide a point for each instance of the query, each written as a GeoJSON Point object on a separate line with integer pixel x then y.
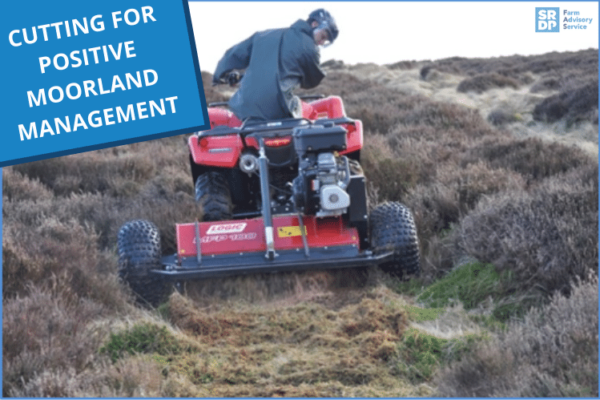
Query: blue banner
{"type": "Point", "coordinates": [80, 76]}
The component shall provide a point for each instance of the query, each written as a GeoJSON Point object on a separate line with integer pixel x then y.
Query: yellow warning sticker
{"type": "Point", "coordinates": [289, 231]}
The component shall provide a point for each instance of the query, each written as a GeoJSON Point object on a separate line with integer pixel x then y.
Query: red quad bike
{"type": "Point", "coordinates": [278, 195]}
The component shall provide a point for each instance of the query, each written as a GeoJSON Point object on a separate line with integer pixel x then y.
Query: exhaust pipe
{"type": "Point", "coordinates": [248, 163]}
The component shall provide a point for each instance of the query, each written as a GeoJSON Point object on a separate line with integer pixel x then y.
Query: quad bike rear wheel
{"type": "Point", "coordinates": [393, 228]}
{"type": "Point", "coordinates": [139, 252]}
{"type": "Point", "coordinates": [213, 195]}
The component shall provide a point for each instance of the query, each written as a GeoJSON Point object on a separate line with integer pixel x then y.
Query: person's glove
{"type": "Point", "coordinates": [233, 78]}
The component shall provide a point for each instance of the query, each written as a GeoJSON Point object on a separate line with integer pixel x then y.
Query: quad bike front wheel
{"type": "Point", "coordinates": [393, 228]}
{"type": "Point", "coordinates": [139, 252]}
{"type": "Point", "coordinates": [213, 195]}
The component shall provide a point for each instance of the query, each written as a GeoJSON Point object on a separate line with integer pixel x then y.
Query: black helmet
{"type": "Point", "coordinates": [325, 21]}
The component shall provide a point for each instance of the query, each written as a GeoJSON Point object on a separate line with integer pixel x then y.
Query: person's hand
{"type": "Point", "coordinates": [233, 78]}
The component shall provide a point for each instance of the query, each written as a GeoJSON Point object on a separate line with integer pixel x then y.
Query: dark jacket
{"type": "Point", "coordinates": [276, 62]}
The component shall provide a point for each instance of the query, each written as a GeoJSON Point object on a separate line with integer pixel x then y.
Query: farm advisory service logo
{"type": "Point", "coordinates": [546, 19]}
{"type": "Point", "coordinates": [549, 19]}
{"type": "Point", "coordinates": [575, 20]}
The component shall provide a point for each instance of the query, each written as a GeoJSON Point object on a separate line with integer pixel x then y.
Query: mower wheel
{"type": "Point", "coordinates": [212, 193]}
{"type": "Point", "coordinates": [393, 228]}
{"type": "Point", "coordinates": [139, 252]}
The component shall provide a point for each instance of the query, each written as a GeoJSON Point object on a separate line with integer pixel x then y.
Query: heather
{"type": "Point", "coordinates": [496, 158]}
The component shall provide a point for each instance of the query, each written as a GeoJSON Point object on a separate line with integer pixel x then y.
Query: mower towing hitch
{"type": "Point", "coordinates": [263, 166]}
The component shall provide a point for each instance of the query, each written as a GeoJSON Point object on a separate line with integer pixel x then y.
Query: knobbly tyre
{"type": "Point", "coordinates": [279, 195]}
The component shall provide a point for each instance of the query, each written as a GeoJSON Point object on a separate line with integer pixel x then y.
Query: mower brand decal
{"type": "Point", "coordinates": [289, 231]}
{"type": "Point", "coordinates": [213, 238]}
{"type": "Point", "coordinates": [243, 236]}
{"type": "Point", "coordinates": [222, 238]}
{"type": "Point", "coordinates": [226, 228]}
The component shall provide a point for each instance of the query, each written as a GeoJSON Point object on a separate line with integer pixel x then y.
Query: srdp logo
{"type": "Point", "coordinates": [546, 19]}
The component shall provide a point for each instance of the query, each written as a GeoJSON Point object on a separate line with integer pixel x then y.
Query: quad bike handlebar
{"type": "Point", "coordinates": [307, 97]}
{"type": "Point", "coordinates": [234, 77]}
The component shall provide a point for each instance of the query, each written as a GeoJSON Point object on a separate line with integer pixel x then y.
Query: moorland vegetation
{"type": "Point", "coordinates": [506, 304]}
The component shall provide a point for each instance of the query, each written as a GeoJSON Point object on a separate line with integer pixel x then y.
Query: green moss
{"type": "Point", "coordinates": [163, 310]}
{"type": "Point", "coordinates": [512, 307]}
{"type": "Point", "coordinates": [455, 349]}
{"type": "Point", "coordinates": [490, 322]}
{"type": "Point", "coordinates": [412, 287]}
{"type": "Point", "coordinates": [471, 284]}
{"type": "Point", "coordinates": [418, 314]}
{"type": "Point", "coordinates": [143, 338]}
{"type": "Point", "coordinates": [421, 354]}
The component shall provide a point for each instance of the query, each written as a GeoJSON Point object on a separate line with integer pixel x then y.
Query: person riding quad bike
{"type": "Point", "coordinates": [278, 180]}
{"type": "Point", "coordinates": [276, 62]}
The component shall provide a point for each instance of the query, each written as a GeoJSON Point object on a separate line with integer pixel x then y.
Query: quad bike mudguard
{"type": "Point", "coordinates": [222, 145]}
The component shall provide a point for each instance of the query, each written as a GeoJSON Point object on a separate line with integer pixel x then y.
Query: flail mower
{"type": "Point", "coordinates": [282, 195]}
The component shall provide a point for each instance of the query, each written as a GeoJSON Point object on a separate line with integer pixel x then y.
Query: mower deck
{"type": "Point", "coordinates": [287, 260]}
{"type": "Point", "coordinates": [216, 249]}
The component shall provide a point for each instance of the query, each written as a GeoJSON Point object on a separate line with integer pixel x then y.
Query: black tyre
{"type": "Point", "coordinates": [139, 252]}
{"type": "Point", "coordinates": [212, 193]}
{"type": "Point", "coordinates": [393, 228]}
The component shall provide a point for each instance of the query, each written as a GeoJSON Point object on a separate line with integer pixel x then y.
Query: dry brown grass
{"type": "Point", "coordinates": [309, 348]}
{"type": "Point", "coordinates": [573, 74]}
{"type": "Point", "coordinates": [568, 65]}
{"type": "Point", "coordinates": [481, 83]}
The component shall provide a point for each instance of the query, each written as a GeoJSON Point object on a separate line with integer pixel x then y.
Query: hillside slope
{"type": "Point", "coordinates": [512, 107]}
{"type": "Point", "coordinates": [497, 159]}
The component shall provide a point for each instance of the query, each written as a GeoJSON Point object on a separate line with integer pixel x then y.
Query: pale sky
{"type": "Point", "coordinates": [387, 32]}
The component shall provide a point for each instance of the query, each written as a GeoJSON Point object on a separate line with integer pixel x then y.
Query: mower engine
{"type": "Point", "coordinates": [323, 175]}
{"type": "Point", "coordinates": [320, 188]}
